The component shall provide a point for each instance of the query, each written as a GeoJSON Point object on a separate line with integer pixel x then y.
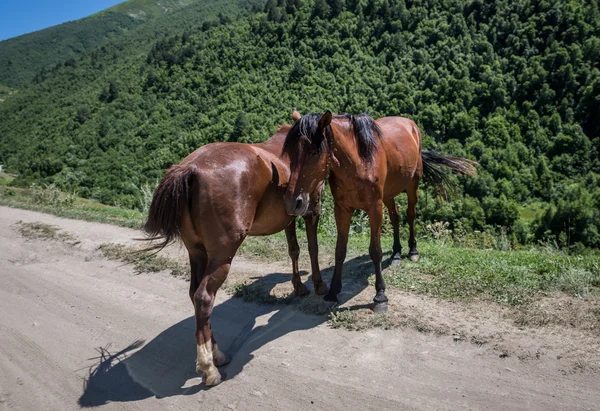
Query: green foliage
{"type": "Point", "coordinates": [32, 56]}
{"type": "Point", "coordinates": [572, 218]}
{"type": "Point", "coordinates": [513, 85]}
{"type": "Point", "coordinates": [49, 194]}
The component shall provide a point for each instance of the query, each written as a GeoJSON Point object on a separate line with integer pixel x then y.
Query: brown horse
{"type": "Point", "coordinates": [212, 200]}
{"type": "Point", "coordinates": [368, 163]}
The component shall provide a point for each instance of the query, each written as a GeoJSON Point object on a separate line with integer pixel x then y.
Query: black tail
{"type": "Point", "coordinates": [170, 198]}
{"type": "Point", "coordinates": [437, 176]}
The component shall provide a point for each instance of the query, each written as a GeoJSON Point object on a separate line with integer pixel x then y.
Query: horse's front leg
{"type": "Point", "coordinates": [343, 217]}
{"type": "Point", "coordinates": [312, 222]}
{"type": "Point", "coordinates": [375, 219]}
{"type": "Point", "coordinates": [294, 251]}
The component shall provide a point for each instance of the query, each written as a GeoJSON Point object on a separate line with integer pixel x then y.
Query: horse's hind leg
{"type": "Point", "coordinates": [395, 220]}
{"type": "Point", "coordinates": [294, 251]}
{"type": "Point", "coordinates": [198, 261]}
{"type": "Point", "coordinates": [413, 196]}
{"type": "Point", "coordinates": [209, 354]}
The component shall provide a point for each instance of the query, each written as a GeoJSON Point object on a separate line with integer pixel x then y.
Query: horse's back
{"type": "Point", "coordinates": [401, 140]}
{"type": "Point", "coordinates": [235, 189]}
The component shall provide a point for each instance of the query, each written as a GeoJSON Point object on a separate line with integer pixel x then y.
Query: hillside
{"type": "Point", "coordinates": [514, 86]}
{"type": "Point", "coordinates": [145, 9]}
{"type": "Point", "coordinates": [21, 58]}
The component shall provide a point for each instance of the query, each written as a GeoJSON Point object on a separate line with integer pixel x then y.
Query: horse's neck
{"type": "Point", "coordinates": [274, 144]}
{"type": "Point", "coordinates": [346, 163]}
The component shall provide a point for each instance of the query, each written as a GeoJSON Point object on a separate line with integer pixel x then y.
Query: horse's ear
{"type": "Point", "coordinates": [295, 115]}
{"type": "Point", "coordinates": [325, 120]}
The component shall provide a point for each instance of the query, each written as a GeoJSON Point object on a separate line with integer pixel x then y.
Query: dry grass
{"type": "Point", "coordinates": [42, 231]}
{"type": "Point", "coordinates": [143, 262]}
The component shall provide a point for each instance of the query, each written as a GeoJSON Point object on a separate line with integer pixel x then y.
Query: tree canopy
{"type": "Point", "coordinates": [514, 85]}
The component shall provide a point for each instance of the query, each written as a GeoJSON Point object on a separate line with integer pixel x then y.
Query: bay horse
{"type": "Point", "coordinates": [212, 200]}
{"type": "Point", "coordinates": [368, 163]}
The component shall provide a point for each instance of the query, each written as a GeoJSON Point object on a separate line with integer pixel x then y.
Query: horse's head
{"type": "Point", "coordinates": [307, 145]}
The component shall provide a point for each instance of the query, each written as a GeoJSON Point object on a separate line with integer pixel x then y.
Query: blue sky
{"type": "Point", "coordinates": [24, 16]}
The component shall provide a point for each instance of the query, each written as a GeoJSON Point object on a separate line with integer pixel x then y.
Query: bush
{"type": "Point", "coordinates": [49, 194]}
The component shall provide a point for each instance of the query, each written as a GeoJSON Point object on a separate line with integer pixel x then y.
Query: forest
{"type": "Point", "coordinates": [514, 85]}
{"type": "Point", "coordinates": [21, 58]}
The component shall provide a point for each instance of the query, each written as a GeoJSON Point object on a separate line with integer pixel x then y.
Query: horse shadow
{"type": "Point", "coordinates": [164, 366]}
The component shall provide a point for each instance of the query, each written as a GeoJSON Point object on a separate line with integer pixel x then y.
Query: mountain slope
{"type": "Point", "coordinates": [21, 58]}
{"type": "Point", "coordinates": [149, 8]}
{"type": "Point", "coordinates": [514, 86]}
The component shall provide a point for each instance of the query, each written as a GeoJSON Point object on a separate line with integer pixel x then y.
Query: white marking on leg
{"type": "Point", "coordinates": [204, 363]}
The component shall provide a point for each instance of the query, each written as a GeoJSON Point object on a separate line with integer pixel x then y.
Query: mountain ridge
{"type": "Point", "coordinates": [24, 56]}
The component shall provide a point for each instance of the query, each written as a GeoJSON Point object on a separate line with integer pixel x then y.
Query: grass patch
{"type": "Point", "coordinates": [37, 230]}
{"type": "Point", "coordinates": [70, 207]}
{"type": "Point", "coordinates": [254, 292]}
{"type": "Point", "coordinates": [5, 179]}
{"type": "Point", "coordinates": [506, 277]}
{"type": "Point", "coordinates": [143, 262]}
{"type": "Point", "coordinates": [43, 231]}
{"type": "Point", "coordinates": [344, 318]}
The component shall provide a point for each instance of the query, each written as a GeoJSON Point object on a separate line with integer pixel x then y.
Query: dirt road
{"type": "Point", "coordinates": [77, 330]}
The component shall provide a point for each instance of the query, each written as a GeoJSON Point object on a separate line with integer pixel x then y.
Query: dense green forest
{"type": "Point", "coordinates": [21, 58]}
{"type": "Point", "coordinates": [514, 85]}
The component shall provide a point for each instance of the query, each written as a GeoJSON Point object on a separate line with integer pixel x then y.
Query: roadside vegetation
{"type": "Point", "coordinates": [455, 264]}
{"type": "Point", "coordinates": [473, 287]}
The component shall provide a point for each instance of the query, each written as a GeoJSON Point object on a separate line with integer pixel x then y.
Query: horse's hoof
{"type": "Point", "coordinates": [321, 289]}
{"type": "Point", "coordinates": [380, 307]}
{"type": "Point", "coordinates": [211, 378]}
{"type": "Point", "coordinates": [413, 257]}
{"type": "Point", "coordinates": [396, 261]}
{"type": "Point", "coordinates": [380, 298]}
{"type": "Point", "coordinates": [331, 297]}
{"type": "Point", "coordinates": [301, 290]}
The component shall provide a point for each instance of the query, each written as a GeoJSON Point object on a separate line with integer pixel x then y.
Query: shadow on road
{"type": "Point", "coordinates": [163, 366]}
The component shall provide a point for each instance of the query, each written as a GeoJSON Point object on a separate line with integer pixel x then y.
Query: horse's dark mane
{"type": "Point", "coordinates": [364, 129]}
{"type": "Point", "coordinates": [307, 128]}
{"type": "Point", "coordinates": [366, 132]}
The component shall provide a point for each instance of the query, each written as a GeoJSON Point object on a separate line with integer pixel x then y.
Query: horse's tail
{"type": "Point", "coordinates": [434, 174]}
{"type": "Point", "coordinates": [168, 204]}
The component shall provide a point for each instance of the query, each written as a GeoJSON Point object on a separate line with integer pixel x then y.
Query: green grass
{"type": "Point", "coordinates": [80, 209]}
{"type": "Point", "coordinates": [451, 272]}
{"type": "Point", "coordinates": [5, 179]}
{"type": "Point", "coordinates": [507, 277]}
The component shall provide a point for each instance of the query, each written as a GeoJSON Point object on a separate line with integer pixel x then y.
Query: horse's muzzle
{"type": "Point", "coordinates": [298, 205]}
